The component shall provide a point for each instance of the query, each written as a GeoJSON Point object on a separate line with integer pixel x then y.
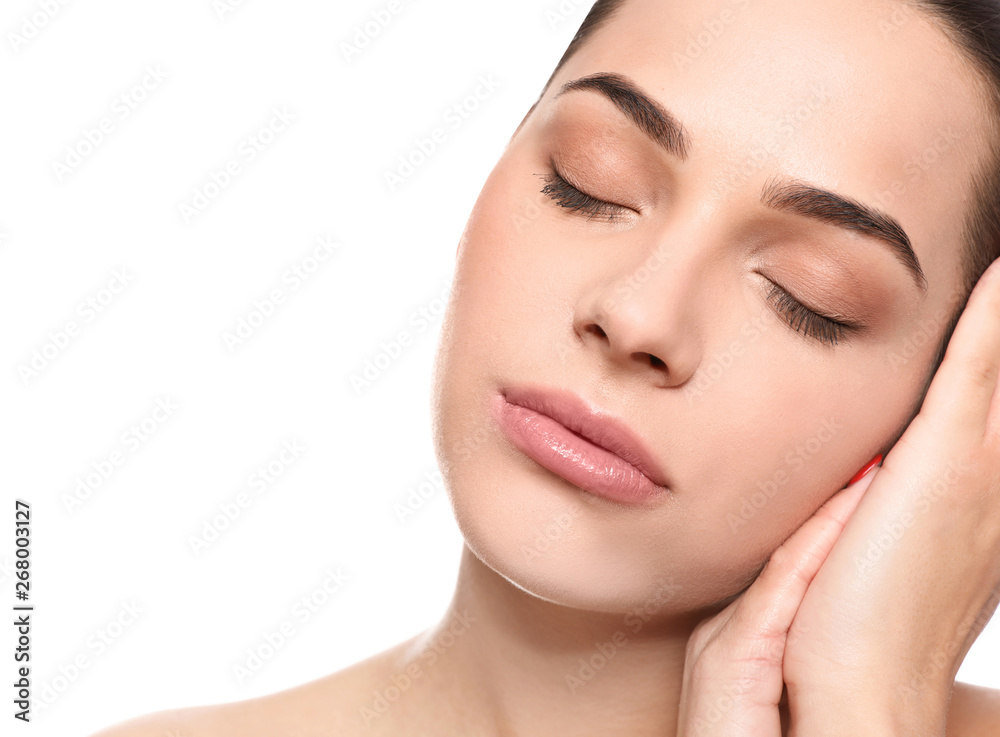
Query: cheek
{"type": "Point", "coordinates": [784, 440]}
{"type": "Point", "coordinates": [768, 458]}
{"type": "Point", "coordinates": [511, 299]}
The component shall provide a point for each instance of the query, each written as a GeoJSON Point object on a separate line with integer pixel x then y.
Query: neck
{"type": "Point", "coordinates": [525, 667]}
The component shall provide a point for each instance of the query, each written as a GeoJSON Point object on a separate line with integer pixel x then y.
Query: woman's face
{"type": "Point", "coordinates": [658, 309]}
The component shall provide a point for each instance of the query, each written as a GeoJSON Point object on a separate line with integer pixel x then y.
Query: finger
{"type": "Point", "coordinates": [964, 384]}
{"type": "Point", "coordinates": [768, 607]}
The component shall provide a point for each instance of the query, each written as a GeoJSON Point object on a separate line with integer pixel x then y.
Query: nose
{"type": "Point", "coordinates": [647, 317]}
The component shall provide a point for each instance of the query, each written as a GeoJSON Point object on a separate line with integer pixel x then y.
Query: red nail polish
{"type": "Point", "coordinates": [868, 467]}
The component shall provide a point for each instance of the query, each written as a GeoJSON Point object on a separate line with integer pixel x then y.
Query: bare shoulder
{"type": "Point", "coordinates": [167, 723]}
{"type": "Point", "coordinates": [974, 712]}
{"type": "Point", "coordinates": [334, 704]}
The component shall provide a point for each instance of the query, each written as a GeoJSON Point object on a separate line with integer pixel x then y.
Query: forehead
{"type": "Point", "coordinates": [865, 97]}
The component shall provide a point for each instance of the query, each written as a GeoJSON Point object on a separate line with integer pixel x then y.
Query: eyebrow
{"type": "Point", "coordinates": [829, 207]}
{"type": "Point", "coordinates": [645, 112]}
{"type": "Point", "coordinates": [781, 194]}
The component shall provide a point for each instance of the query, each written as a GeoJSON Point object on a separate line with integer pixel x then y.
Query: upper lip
{"type": "Point", "coordinates": [599, 427]}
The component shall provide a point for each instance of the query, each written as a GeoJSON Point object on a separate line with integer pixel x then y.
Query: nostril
{"type": "Point", "coordinates": [656, 362]}
{"type": "Point", "coordinates": [598, 331]}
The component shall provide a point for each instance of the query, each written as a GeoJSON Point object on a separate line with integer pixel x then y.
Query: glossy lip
{"type": "Point", "coordinates": [588, 447]}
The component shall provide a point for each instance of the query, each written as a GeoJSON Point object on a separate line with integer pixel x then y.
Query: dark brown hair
{"type": "Point", "coordinates": [974, 27]}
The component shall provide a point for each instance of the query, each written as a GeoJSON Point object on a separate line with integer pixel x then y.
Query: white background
{"type": "Point", "coordinates": [63, 237]}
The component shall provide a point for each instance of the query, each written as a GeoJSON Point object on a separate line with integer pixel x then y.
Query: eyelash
{"type": "Point", "coordinates": [569, 197]}
{"type": "Point", "coordinates": [799, 317]}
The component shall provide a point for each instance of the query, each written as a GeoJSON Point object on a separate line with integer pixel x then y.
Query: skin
{"type": "Point", "coordinates": [550, 573]}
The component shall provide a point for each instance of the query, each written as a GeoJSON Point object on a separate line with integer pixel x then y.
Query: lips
{"type": "Point", "coordinates": [590, 448]}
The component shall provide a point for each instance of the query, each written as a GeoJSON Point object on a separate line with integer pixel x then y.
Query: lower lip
{"type": "Point", "coordinates": [579, 461]}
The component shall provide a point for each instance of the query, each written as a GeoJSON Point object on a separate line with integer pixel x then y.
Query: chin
{"type": "Point", "coordinates": [544, 537]}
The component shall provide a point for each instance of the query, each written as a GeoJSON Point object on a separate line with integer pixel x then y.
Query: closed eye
{"type": "Point", "coordinates": [808, 322]}
{"type": "Point", "coordinates": [571, 198]}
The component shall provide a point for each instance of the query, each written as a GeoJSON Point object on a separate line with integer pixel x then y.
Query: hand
{"type": "Point", "coordinates": [913, 579]}
{"type": "Point", "coordinates": [733, 676]}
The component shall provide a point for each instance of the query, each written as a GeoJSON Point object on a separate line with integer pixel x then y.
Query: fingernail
{"type": "Point", "coordinates": [868, 467]}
